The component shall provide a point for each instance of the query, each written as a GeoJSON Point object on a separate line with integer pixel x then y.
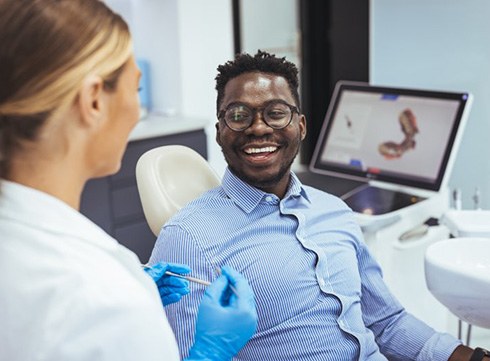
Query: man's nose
{"type": "Point", "coordinates": [258, 125]}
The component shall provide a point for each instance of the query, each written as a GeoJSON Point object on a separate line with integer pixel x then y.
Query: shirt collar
{"type": "Point", "coordinates": [248, 197]}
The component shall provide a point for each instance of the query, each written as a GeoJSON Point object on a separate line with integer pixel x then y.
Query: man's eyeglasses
{"type": "Point", "coordinates": [276, 115]}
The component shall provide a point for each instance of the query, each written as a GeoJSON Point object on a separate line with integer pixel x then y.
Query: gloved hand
{"type": "Point", "coordinates": [171, 288]}
{"type": "Point", "coordinates": [225, 322]}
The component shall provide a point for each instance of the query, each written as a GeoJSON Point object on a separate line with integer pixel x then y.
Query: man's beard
{"type": "Point", "coordinates": [260, 182]}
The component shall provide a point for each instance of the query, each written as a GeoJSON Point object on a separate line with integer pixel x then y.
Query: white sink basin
{"type": "Point", "coordinates": [457, 272]}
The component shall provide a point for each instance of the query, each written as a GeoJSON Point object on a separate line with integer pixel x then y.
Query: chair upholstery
{"type": "Point", "coordinates": [168, 178]}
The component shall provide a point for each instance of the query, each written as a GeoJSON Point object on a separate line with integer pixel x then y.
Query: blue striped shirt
{"type": "Point", "coordinates": [319, 293]}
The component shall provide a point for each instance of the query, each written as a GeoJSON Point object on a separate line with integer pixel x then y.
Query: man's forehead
{"type": "Point", "coordinates": [257, 83]}
{"type": "Point", "coordinates": [261, 78]}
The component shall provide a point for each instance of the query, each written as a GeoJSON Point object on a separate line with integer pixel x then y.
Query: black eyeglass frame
{"type": "Point", "coordinates": [293, 109]}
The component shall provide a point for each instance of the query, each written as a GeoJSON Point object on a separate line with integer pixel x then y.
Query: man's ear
{"type": "Point", "coordinates": [217, 134]}
{"type": "Point", "coordinates": [302, 126]}
{"type": "Point", "coordinates": [91, 101]}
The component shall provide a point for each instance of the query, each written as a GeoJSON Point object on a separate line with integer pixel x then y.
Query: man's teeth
{"type": "Point", "coordinates": [260, 150]}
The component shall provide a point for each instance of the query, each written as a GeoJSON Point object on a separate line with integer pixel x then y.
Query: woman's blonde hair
{"type": "Point", "coordinates": [47, 48]}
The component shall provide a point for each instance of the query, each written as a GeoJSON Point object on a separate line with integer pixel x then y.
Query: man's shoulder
{"type": "Point", "coordinates": [204, 206]}
{"type": "Point", "coordinates": [317, 195]}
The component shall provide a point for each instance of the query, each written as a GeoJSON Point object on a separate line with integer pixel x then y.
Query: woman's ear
{"type": "Point", "coordinates": [91, 100]}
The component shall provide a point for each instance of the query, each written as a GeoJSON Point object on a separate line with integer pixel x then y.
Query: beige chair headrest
{"type": "Point", "coordinates": [168, 178]}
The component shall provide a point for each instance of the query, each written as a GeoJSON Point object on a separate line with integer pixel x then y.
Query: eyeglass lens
{"type": "Point", "coordinates": [276, 115]}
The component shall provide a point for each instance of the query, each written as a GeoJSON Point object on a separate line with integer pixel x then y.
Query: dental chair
{"type": "Point", "coordinates": [168, 178]}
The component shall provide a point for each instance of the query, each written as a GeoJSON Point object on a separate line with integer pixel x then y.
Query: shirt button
{"type": "Point", "coordinates": [268, 199]}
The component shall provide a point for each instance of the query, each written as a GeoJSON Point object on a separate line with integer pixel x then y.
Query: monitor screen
{"type": "Point", "coordinates": [395, 135]}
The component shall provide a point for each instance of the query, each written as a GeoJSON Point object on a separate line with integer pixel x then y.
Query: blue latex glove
{"type": "Point", "coordinates": [171, 288]}
{"type": "Point", "coordinates": [225, 322]}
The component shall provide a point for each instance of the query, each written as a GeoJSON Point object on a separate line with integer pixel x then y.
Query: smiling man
{"type": "Point", "coordinates": [253, 107]}
{"type": "Point", "coordinates": [319, 293]}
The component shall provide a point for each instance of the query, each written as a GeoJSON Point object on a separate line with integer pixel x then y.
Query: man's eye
{"type": "Point", "coordinates": [238, 116]}
{"type": "Point", "coordinates": [276, 114]}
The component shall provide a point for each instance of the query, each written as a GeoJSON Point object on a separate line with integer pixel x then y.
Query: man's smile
{"type": "Point", "coordinates": [260, 154]}
{"type": "Point", "coordinates": [256, 150]}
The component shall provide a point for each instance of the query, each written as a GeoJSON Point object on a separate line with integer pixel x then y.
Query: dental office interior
{"type": "Point", "coordinates": [441, 271]}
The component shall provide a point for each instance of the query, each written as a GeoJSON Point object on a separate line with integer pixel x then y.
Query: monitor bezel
{"type": "Point", "coordinates": [464, 99]}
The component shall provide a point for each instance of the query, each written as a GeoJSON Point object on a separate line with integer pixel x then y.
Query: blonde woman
{"type": "Point", "coordinates": [68, 291]}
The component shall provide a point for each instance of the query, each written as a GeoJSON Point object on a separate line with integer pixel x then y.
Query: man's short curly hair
{"type": "Point", "coordinates": [261, 62]}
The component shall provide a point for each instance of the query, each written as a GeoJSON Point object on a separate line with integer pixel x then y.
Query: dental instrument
{"type": "Point", "coordinates": [196, 280]}
{"type": "Point", "coordinates": [189, 278]}
{"type": "Point", "coordinates": [232, 288]}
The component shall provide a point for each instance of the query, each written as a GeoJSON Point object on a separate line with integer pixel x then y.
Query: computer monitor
{"type": "Point", "coordinates": [401, 136]}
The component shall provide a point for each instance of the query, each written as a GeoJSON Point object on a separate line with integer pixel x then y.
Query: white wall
{"type": "Point", "coordinates": [272, 26]}
{"type": "Point", "coordinates": [440, 44]}
{"type": "Point", "coordinates": [206, 40]}
{"type": "Point", "coordinates": [184, 41]}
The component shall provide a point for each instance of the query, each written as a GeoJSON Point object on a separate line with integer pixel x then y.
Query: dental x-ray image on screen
{"type": "Point", "coordinates": [406, 137]}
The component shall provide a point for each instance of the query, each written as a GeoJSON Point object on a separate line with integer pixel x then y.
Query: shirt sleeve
{"type": "Point", "coordinates": [399, 335]}
{"type": "Point", "coordinates": [175, 244]}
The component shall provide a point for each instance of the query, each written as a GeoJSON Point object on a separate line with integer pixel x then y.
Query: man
{"type": "Point", "coordinates": [319, 292]}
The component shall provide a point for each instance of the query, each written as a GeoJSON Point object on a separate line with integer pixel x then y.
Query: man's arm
{"type": "Point", "coordinates": [176, 245]}
{"type": "Point", "coordinates": [398, 334]}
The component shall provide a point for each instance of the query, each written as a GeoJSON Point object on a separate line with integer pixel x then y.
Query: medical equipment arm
{"type": "Point", "coordinates": [225, 320]}
{"type": "Point", "coordinates": [171, 288]}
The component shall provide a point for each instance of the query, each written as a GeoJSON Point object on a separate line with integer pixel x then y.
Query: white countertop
{"type": "Point", "coordinates": [157, 125]}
